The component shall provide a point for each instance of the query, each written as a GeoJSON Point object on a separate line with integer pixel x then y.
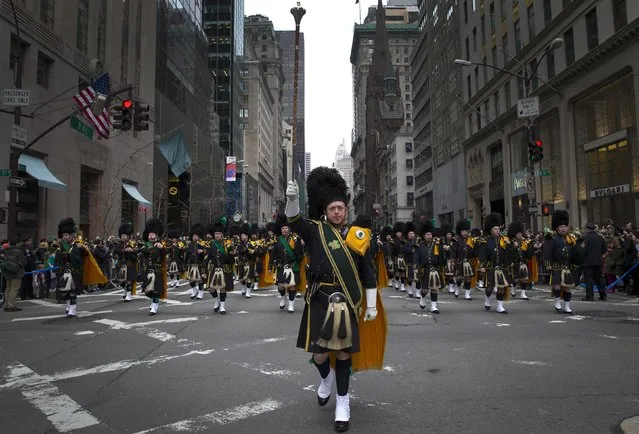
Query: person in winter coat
{"type": "Point", "coordinates": [13, 271]}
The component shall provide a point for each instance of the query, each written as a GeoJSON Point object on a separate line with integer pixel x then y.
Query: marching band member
{"type": "Point", "coordinates": [342, 285]}
{"type": "Point", "coordinates": [523, 253]}
{"type": "Point", "coordinates": [195, 264]}
{"type": "Point", "coordinates": [258, 262]}
{"type": "Point", "coordinates": [288, 254]}
{"type": "Point", "coordinates": [126, 252]}
{"type": "Point", "coordinates": [477, 236]}
{"type": "Point", "coordinates": [561, 252]}
{"type": "Point", "coordinates": [463, 251]}
{"type": "Point", "coordinates": [386, 237]}
{"type": "Point", "coordinates": [175, 257]}
{"type": "Point", "coordinates": [153, 253]}
{"type": "Point", "coordinates": [494, 261]}
{"type": "Point", "coordinates": [447, 245]}
{"type": "Point", "coordinates": [221, 258]}
{"type": "Point", "coordinates": [246, 261]}
{"type": "Point", "coordinates": [397, 254]}
{"type": "Point", "coordinates": [427, 259]}
{"type": "Point", "coordinates": [408, 252]}
{"type": "Point", "coordinates": [69, 258]}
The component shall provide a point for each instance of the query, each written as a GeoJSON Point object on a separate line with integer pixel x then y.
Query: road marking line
{"type": "Point", "coordinates": [556, 321]}
{"type": "Point", "coordinates": [153, 333]}
{"type": "Point", "coordinates": [531, 363]}
{"type": "Point", "coordinates": [84, 333]}
{"type": "Point", "coordinates": [19, 377]}
{"type": "Point", "coordinates": [263, 341]}
{"type": "Point", "coordinates": [265, 368]}
{"type": "Point", "coordinates": [80, 315]}
{"type": "Point", "coordinates": [62, 411]}
{"type": "Point", "coordinates": [223, 417]}
{"type": "Point", "coordinates": [610, 337]}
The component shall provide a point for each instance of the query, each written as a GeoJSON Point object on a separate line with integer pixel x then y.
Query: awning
{"type": "Point", "coordinates": [135, 193]}
{"type": "Point", "coordinates": [37, 168]}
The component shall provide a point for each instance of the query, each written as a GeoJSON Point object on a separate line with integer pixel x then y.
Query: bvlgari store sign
{"type": "Point", "coordinates": [609, 191]}
{"type": "Point", "coordinates": [519, 183]}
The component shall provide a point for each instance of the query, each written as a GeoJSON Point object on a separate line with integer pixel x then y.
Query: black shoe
{"type": "Point", "coordinates": [323, 401]}
{"type": "Point", "coordinates": [587, 299]}
{"type": "Point", "coordinates": [341, 426]}
{"type": "Point", "coordinates": [12, 309]}
{"type": "Point", "coordinates": [487, 307]}
{"type": "Point", "coordinates": [603, 298]}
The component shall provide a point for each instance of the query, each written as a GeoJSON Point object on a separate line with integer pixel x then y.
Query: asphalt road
{"type": "Point", "coordinates": [115, 369]}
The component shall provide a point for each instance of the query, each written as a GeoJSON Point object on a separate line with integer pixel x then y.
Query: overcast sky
{"type": "Point", "coordinates": [328, 34]}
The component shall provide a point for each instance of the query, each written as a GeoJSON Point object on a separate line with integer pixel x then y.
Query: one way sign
{"type": "Point", "coordinates": [17, 182]}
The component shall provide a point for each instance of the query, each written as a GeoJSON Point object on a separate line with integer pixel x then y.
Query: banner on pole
{"type": "Point", "coordinates": [231, 168]}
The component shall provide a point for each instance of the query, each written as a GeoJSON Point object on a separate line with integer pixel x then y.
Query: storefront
{"type": "Point", "coordinates": [520, 200]}
{"type": "Point", "coordinates": [475, 175]}
{"type": "Point", "coordinates": [496, 186]}
{"type": "Point", "coordinates": [607, 160]}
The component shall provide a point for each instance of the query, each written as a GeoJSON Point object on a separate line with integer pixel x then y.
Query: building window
{"type": "Point", "coordinates": [467, 49]}
{"type": "Point", "coordinates": [482, 24]}
{"type": "Point", "coordinates": [409, 163]}
{"type": "Point", "coordinates": [406, 60]}
{"type": "Point", "coordinates": [409, 147]}
{"type": "Point", "coordinates": [466, 11]}
{"type": "Point", "coordinates": [408, 116]}
{"type": "Point", "coordinates": [531, 22]}
{"type": "Point", "coordinates": [470, 90]}
{"type": "Point", "coordinates": [470, 124]}
{"type": "Point", "coordinates": [569, 46]}
{"type": "Point", "coordinates": [520, 86]}
{"type": "Point", "coordinates": [13, 51]}
{"type": "Point", "coordinates": [504, 46]}
{"type": "Point", "coordinates": [102, 19]}
{"type": "Point", "coordinates": [407, 88]}
{"type": "Point", "coordinates": [44, 70]}
{"type": "Point", "coordinates": [507, 96]}
{"type": "Point", "coordinates": [620, 16]}
{"type": "Point", "coordinates": [550, 63]}
{"type": "Point", "coordinates": [487, 109]}
{"type": "Point", "coordinates": [476, 79]}
{"type": "Point", "coordinates": [547, 12]}
{"type": "Point", "coordinates": [47, 12]}
{"type": "Point", "coordinates": [496, 163]}
{"type": "Point", "coordinates": [474, 40]}
{"type": "Point", "coordinates": [497, 107]}
{"type": "Point", "coordinates": [409, 180]}
{"type": "Point", "coordinates": [492, 17]}
{"type": "Point", "coordinates": [485, 67]}
{"type": "Point", "coordinates": [494, 53]}
{"type": "Point", "coordinates": [592, 32]}
{"type": "Point", "coordinates": [82, 30]}
{"type": "Point", "coordinates": [517, 38]}
{"type": "Point", "coordinates": [478, 114]}
{"type": "Point", "coordinates": [410, 199]}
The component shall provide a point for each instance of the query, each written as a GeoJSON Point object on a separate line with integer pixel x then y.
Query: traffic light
{"type": "Point", "coordinates": [532, 156]}
{"type": "Point", "coordinates": [127, 116]}
{"type": "Point", "coordinates": [140, 116]}
{"type": "Point", "coordinates": [547, 209]}
{"type": "Point", "coordinates": [539, 147]}
{"type": "Point", "coordinates": [116, 117]}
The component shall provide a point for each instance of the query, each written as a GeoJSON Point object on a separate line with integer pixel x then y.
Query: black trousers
{"type": "Point", "coordinates": [594, 276]}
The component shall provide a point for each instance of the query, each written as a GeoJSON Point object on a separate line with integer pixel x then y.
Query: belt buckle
{"type": "Point", "coordinates": [337, 297]}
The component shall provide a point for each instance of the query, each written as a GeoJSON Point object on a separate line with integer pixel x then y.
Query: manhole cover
{"type": "Point", "coordinates": [603, 314]}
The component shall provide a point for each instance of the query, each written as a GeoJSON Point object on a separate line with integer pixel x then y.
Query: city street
{"type": "Point", "coordinates": [115, 369]}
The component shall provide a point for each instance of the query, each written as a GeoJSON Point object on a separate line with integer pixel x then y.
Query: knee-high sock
{"type": "Point", "coordinates": [291, 294]}
{"type": "Point", "coordinates": [73, 299]}
{"type": "Point", "coordinates": [214, 294]}
{"type": "Point", "coordinates": [567, 296]}
{"type": "Point", "coordinates": [324, 368]}
{"type": "Point", "coordinates": [156, 299]}
{"type": "Point", "coordinates": [281, 290]}
{"type": "Point", "coordinates": [200, 286]}
{"type": "Point", "coordinates": [556, 293]}
{"type": "Point", "coordinates": [342, 375]}
{"type": "Point", "coordinates": [466, 285]}
{"type": "Point", "coordinates": [192, 284]}
{"type": "Point", "coordinates": [433, 295]}
{"type": "Point", "coordinates": [222, 296]}
{"type": "Point", "coordinates": [500, 296]}
{"type": "Point", "coordinates": [489, 291]}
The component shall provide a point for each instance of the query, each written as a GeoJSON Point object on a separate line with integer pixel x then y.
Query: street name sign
{"type": "Point", "coordinates": [544, 172]}
{"type": "Point", "coordinates": [16, 97]}
{"type": "Point", "coordinates": [5, 172]}
{"type": "Point", "coordinates": [78, 125]}
{"type": "Point", "coordinates": [18, 135]}
{"type": "Point", "coordinates": [528, 107]}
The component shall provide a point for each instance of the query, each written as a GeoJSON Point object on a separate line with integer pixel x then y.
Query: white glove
{"type": "Point", "coordinates": [371, 304]}
{"type": "Point", "coordinates": [292, 200]}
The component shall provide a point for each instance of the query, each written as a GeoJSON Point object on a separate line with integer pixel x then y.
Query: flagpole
{"type": "Point", "coordinates": [359, 3]}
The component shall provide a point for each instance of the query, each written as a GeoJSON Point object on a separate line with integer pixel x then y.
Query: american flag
{"type": "Point", "coordinates": [85, 98]}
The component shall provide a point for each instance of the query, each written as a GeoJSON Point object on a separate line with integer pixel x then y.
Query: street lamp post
{"type": "Point", "coordinates": [527, 77]}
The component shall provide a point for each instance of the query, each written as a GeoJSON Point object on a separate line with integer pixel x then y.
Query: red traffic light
{"type": "Point", "coordinates": [539, 143]}
{"type": "Point", "coordinates": [127, 104]}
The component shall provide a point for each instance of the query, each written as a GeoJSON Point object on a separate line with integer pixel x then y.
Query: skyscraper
{"type": "Point", "coordinates": [307, 164]}
{"type": "Point", "coordinates": [223, 22]}
{"type": "Point", "coordinates": [287, 47]}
